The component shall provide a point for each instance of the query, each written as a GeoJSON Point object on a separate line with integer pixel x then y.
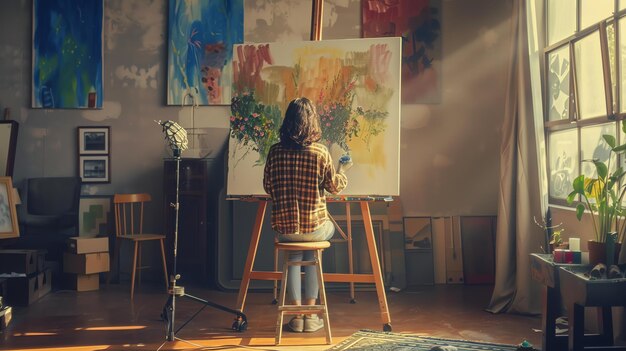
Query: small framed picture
{"type": "Point", "coordinates": [9, 227]}
{"type": "Point", "coordinates": [93, 140]}
{"type": "Point", "coordinates": [94, 169]}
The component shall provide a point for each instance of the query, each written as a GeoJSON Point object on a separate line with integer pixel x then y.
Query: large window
{"type": "Point", "coordinates": [584, 95]}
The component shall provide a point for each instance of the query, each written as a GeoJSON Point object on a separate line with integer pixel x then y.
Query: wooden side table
{"type": "Point", "coordinates": [545, 271]}
{"type": "Point", "coordinates": [578, 292]}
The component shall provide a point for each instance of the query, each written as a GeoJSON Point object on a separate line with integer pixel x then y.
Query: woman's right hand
{"type": "Point", "coordinates": [345, 165]}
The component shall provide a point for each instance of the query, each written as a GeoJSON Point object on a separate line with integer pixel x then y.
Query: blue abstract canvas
{"type": "Point", "coordinates": [67, 54]}
{"type": "Point", "coordinates": [200, 50]}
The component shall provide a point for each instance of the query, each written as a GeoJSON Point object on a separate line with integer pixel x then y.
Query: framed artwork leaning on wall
{"type": "Point", "coordinates": [9, 227]}
{"type": "Point", "coordinates": [8, 144]}
{"type": "Point", "coordinates": [94, 214]}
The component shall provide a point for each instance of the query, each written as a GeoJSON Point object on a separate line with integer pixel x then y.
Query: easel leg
{"type": "Point", "coordinates": [350, 252]}
{"type": "Point", "coordinates": [254, 243]}
{"type": "Point", "coordinates": [378, 277]}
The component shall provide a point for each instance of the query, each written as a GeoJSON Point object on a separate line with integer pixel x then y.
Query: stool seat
{"type": "Point", "coordinates": [302, 246]}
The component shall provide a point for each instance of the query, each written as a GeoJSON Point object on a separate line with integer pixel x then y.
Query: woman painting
{"type": "Point", "coordinates": [297, 173]}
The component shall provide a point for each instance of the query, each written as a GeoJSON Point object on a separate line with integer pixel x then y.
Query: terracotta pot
{"type": "Point", "coordinates": [597, 252]}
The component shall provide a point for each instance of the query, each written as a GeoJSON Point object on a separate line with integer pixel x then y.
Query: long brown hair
{"type": "Point", "coordinates": [301, 126]}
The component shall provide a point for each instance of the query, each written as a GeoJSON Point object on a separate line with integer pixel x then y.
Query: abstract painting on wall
{"type": "Point", "coordinates": [418, 22]}
{"type": "Point", "coordinates": [201, 36]}
{"type": "Point", "coordinates": [355, 85]}
{"type": "Point", "coordinates": [67, 54]}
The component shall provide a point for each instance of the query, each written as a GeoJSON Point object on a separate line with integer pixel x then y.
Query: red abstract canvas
{"type": "Point", "coordinates": [418, 22]}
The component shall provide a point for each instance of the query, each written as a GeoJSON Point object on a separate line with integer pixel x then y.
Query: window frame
{"type": "Point", "coordinates": [612, 105]}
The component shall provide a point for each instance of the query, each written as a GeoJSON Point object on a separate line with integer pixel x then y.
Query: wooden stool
{"type": "Point", "coordinates": [317, 247]}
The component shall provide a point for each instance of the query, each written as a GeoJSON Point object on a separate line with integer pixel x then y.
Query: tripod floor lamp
{"type": "Point", "coordinates": [176, 136]}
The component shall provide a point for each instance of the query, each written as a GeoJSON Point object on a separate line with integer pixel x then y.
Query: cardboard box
{"type": "Point", "coordinates": [41, 260]}
{"type": "Point", "coordinates": [86, 263]}
{"type": "Point", "coordinates": [22, 291]}
{"type": "Point", "coordinates": [18, 261]}
{"type": "Point", "coordinates": [83, 282]}
{"type": "Point", "coordinates": [44, 280]}
{"type": "Point", "coordinates": [84, 245]}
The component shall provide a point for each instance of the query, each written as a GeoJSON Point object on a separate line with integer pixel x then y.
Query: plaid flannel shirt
{"type": "Point", "coordinates": [296, 179]}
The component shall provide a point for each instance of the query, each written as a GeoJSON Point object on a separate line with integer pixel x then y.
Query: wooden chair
{"type": "Point", "coordinates": [129, 217]}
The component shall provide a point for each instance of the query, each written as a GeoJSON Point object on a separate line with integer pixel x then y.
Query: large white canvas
{"type": "Point", "coordinates": [355, 85]}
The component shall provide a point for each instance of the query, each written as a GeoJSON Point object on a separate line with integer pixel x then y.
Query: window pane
{"type": "Point", "coordinates": [622, 4]}
{"type": "Point", "coordinates": [561, 19]}
{"type": "Point", "coordinates": [559, 83]}
{"type": "Point", "coordinates": [563, 162]}
{"type": "Point", "coordinates": [610, 34]}
{"type": "Point", "coordinates": [622, 62]}
{"type": "Point", "coordinates": [592, 12]}
{"type": "Point", "coordinates": [589, 77]}
{"type": "Point", "coordinates": [593, 146]}
{"type": "Point", "coordinates": [622, 140]}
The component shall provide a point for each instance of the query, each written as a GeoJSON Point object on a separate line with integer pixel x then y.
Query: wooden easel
{"type": "Point", "coordinates": [376, 277]}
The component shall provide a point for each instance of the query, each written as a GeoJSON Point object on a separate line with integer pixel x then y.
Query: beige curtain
{"type": "Point", "coordinates": [519, 196]}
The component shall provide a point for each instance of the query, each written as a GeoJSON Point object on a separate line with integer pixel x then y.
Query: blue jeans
{"type": "Point", "coordinates": [294, 281]}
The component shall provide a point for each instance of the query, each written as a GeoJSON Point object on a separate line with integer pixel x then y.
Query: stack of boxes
{"type": "Point", "coordinates": [27, 277]}
{"type": "Point", "coordinates": [83, 262]}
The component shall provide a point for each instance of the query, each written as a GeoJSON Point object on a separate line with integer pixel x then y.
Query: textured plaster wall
{"type": "Point", "coordinates": [450, 151]}
{"type": "Point", "coordinates": [449, 157]}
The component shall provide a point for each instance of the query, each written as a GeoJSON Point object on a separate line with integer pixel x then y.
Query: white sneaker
{"type": "Point", "coordinates": [313, 323]}
{"type": "Point", "coordinates": [296, 324]}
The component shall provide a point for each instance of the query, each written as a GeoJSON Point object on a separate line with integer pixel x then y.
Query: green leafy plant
{"type": "Point", "coordinates": [556, 238]}
{"type": "Point", "coordinates": [338, 124]}
{"type": "Point", "coordinates": [253, 124]}
{"type": "Point", "coordinates": [602, 196]}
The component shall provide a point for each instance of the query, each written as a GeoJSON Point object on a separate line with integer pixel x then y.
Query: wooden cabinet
{"type": "Point", "coordinates": [199, 185]}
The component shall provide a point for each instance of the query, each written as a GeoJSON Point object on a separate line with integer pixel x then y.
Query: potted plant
{"type": "Point", "coordinates": [602, 197]}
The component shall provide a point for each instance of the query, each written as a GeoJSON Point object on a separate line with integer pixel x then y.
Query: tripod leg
{"type": "Point", "coordinates": [168, 316]}
{"type": "Point", "coordinates": [164, 264]}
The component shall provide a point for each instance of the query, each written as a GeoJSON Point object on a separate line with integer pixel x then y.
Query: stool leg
{"type": "Point", "coordinates": [281, 302]}
{"type": "Point", "coordinates": [275, 282]}
{"type": "Point", "coordinates": [320, 279]}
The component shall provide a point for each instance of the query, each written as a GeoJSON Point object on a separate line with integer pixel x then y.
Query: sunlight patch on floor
{"type": "Point", "coordinates": [120, 327]}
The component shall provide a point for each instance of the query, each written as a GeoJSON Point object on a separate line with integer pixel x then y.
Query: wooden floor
{"type": "Point", "coordinates": [107, 320]}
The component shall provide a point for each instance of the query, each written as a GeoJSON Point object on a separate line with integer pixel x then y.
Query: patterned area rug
{"type": "Point", "coordinates": [370, 340]}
